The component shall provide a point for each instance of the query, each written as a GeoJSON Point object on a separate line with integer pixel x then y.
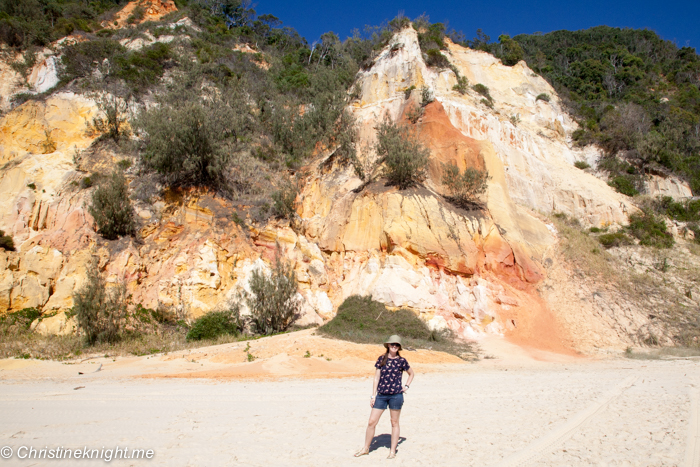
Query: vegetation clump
{"type": "Point", "coordinates": [111, 208]}
{"type": "Point", "coordinates": [6, 242]}
{"type": "Point", "coordinates": [273, 299]}
{"type": "Point", "coordinates": [101, 312]}
{"type": "Point", "coordinates": [216, 323]}
{"type": "Point", "coordinates": [364, 320]}
{"type": "Point", "coordinates": [650, 230]}
{"type": "Point", "coordinates": [404, 157]}
{"type": "Point", "coordinates": [464, 187]}
{"type": "Point", "coordinates": [633, 93]}
{"type": "Point", "coordinates": [462, 85]}
{"type": "Point", "coordinates": [583, 165]}
{"type": "Point", "coordinates": [18, 321]}
{"type": "Point", "coordinates": [615, 239]}
{"type": "Point", "coordinates": [624, 184]}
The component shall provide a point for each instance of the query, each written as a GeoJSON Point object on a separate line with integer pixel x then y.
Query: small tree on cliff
{"type": "Point", "coordinates": [404, 157]}
{"type": "Point", "coordinates": [112, 209]}
{"type": "Point", "coordinates": [464, 187]}
{"type": "Point", "coordinates": [273, 300]}
{"type": "Point", "coordinates": [101, 313]}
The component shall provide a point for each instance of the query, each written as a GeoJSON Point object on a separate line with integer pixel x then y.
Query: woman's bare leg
{"type": "Point", "coordinates": [395, 430]}
{"type": "Point", "coordinates": [371, 425]}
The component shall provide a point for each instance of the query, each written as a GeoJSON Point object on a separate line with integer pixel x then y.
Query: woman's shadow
{"type": "Point", "coordinates": [384, 441]}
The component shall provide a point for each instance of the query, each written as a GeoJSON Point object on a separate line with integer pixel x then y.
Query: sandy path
{"type": "Point", "coordinates": [515, 411]}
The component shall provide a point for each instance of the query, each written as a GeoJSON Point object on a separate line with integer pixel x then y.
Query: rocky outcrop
{"type": "Point", "coordinates": [470, 271]}
{"type": "Point", "coordinates": [152, 10]}
{"type": "Point", "coordinates": [657, 185]}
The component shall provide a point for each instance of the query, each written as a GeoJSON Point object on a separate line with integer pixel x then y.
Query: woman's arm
{"type": "Point", "coordinates": [377, 375]}
{"type": "Point", "coordinates": [411, 374]}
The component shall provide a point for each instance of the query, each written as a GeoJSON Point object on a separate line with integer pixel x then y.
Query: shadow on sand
{"type": "Point", "coordinates": [384, 441]}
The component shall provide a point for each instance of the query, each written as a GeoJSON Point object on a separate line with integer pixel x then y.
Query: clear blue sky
{"type": "Point", "coordinates": [675, 20]}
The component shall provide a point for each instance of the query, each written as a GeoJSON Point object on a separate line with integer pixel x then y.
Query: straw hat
{"type": "Point", "coordinates": [395, 339]}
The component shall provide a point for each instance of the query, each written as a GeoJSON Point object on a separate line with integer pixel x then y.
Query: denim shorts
{"type": "Point", "coordinates": [394, 401]}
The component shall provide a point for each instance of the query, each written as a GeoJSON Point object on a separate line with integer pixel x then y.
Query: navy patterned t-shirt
{"type": "Point", "coordinates": [390, 378]}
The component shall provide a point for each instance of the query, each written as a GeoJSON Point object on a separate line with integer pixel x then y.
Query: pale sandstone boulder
{"type": "Point", "coordinates": [29, 292]}
{"type": "Point", "coordinates": [44, 74]}
{"type": "Point", "coordinates": [656, 185]}
{"type": "Point", "coordinates": [58, 325]}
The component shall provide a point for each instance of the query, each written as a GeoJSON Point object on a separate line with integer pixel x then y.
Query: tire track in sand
{"type": "Point", "coordinates": [547, 442]}
{"type": "Point", "coordinates": [692, 448]}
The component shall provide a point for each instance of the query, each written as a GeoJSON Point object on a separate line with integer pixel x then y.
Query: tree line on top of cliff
{"type": "Point", "coordinates": [634, 94]}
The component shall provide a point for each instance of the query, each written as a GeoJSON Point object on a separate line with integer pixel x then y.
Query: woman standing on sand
{"type": "Point", "coordinates": [387, 391]}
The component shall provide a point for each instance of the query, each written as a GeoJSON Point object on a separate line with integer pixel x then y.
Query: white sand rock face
{"type": "Point", "coordinates": [536, 157]}
{"type": "Point", "coordinates": [656, 185]}
{"type": "Point", "coordinates": [44, 75]}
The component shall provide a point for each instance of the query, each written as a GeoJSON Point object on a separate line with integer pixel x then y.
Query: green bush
{"type": "Point", "coordinates": [273, 300]}
{"type": "Point", "coordinates": [142, 68]}
{"type": "Point", "coordinates": [623, 185]}
{"type": "Point", "coordinates": [190, 141]}
{"type": "Point", "coordinates": [215, 324]}
{"type": "Point", "coordinates": [583, 165]}
{"type": "Point", "coordinates": [365, 319]}
{"type": "Point", "coordinates": [136, 15]}
{"type": "Point", "coordinates": [284, 201]}
{"type": "Point", "coordinates": [650, 230]}
{"type": "Point", "coordinates": [101, 313]}
{"type": "Point", "coordinates": [462, 85]}
{"type": "Point", "coordinates": [614, 239]}
{"type": "Point", "coordinates": [435, 59]}
{"type": "Point", "coordinates": [407, 91]}
{"type": "Point", "coordinates": [6, 242]}
{"type": "Point", "coordinates": [464, 187]}
{"type": "Point", "coordinates": [543, 97]}
{"type": "Point", "coordinates": [484, 91]}
{"type": "Point", "coordinates": [80, 59]}
{"type": "Point", "coordinates": [112, 209]}
{"type": "Point", "coordinates": [684, 211]}
{"type": "Point", "coordinates": [510, 51]}
{"type": "Point", "coordinates": [404, 157]}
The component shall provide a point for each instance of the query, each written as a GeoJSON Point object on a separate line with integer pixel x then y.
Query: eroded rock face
{"type": "Point", "coordinates": [468, 271]}
{"type": "Point", "coordinates": [153, 10]}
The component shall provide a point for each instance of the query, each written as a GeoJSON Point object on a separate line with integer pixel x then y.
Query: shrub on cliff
{"type": "Point", "coordinates": [189, 141]}
{"type": "Point", "coordinates": [404, 157]}
{"type": "Point", "coordinates": [112, 209]}
{"type": "Point", "coordinates": [101, 313]}
{"type": "Point", "coordinates": [464, 187]}
{"type": "Point", "coordinates": [650, 230]}
{"type": "Point", "coordinates": [6, 242]}
{"type": "Point", "coordinates": [273, 300]}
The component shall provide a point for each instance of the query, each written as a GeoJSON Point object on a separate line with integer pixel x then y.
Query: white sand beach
{"type": "Point", "coordinates": [519, 408]}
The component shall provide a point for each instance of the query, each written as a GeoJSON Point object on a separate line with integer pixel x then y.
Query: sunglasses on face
{"type": "Point", "coordinates": [394, 345]}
